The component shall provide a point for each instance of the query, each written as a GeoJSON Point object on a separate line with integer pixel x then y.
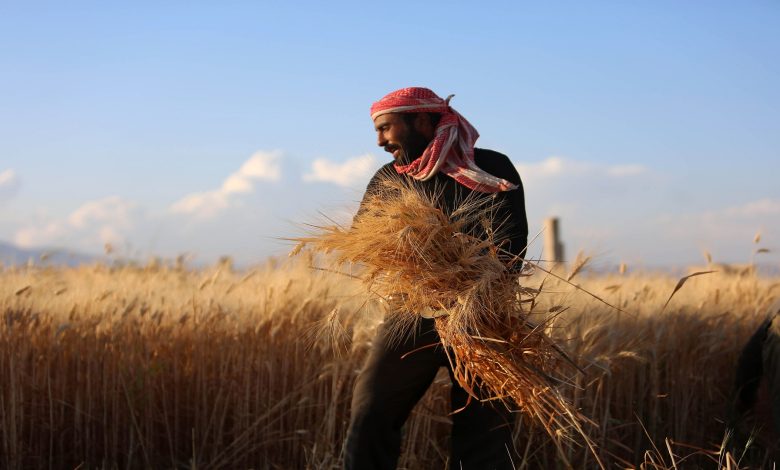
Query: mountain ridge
{"type": "Point", "coordinates": [11, 254]}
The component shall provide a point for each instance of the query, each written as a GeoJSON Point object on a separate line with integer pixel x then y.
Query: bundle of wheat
{"type": "Point", "coordinates": [420, 259]}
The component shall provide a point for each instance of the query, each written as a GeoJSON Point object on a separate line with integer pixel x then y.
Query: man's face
{"type": "Point", "coordinates": [403, 141]}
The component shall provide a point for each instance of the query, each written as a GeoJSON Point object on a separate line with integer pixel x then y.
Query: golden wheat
{"type": "Point", "coordinates": [162, 366]}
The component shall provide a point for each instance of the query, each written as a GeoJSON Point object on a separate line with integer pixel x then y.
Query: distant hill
{"type": "Point", "coordinates": [11, 255]}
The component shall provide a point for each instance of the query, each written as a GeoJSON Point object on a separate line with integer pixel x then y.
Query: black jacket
{"type": "Point", "coordinates": [509, 218]}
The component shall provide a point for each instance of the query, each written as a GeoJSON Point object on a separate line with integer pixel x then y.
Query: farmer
{"type": "Point", "coordinates": [433, 147]}
{"type": "Point", "coordinates": [755, 401]}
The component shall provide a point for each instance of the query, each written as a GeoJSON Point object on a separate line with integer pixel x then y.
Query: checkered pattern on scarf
{"type": "Point", "coordinates": [451, 150]}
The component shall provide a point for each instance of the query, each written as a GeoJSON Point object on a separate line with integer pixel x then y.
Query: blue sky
{"type": "Point", "coordinates": [651, 128]}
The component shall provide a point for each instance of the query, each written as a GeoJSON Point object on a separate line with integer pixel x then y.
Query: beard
{"type": "Point", "coordinates": [411, 148]}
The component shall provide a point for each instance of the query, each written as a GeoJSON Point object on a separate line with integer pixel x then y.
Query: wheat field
{"type": "Point", "coordinates": [165, 366]}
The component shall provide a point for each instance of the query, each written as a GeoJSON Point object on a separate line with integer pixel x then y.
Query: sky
{"type": "Point", "coordinates": [651, 129]}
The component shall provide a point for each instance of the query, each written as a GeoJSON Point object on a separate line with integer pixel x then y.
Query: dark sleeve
{"type": "Point", "coordinates": [374, 186]}
{"type": "Point", "coordinates": [518, 222]}
{"type": "Point", "coordinates": [513, 217]}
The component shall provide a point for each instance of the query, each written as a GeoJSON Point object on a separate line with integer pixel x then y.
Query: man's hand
{"type": "Point", "coordinates": [429, 312]}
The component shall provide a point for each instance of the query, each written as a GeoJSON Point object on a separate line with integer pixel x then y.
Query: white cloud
{"type": "Point", "coordinates": [598, 205]}
{"type": "Point", "coordinates": [727, 232]}
{"type": "Point", "coordinates": [9, 184]}
{"type": "Point", "coordinates": [760, 208]}
{"type": "Point", "coordinates": [741, 220]}
{"type": "Point", "coordinates": [564, 187]}
{"type": "Point", "coordinates": [261, 166]}
{"type": "Point", "coordinates": [91, 225]}
{"type": "Point", "coordinates": [109, 235]}
{"type": "Point", "coordinates": [236, 183]}
{"type": "Point", "coordinates": [206, 204]}
{"type": "Point", "coordinates": [738, 222]}
{"type": "Point", "coordinates": [7, 177]}
{"type": "Point", "coordinates": [555, 167]}
{"type": "Point", "coordinates": [625, 170]}
{"type": "Point", "coordinates": [551, 166]}
{"type": "Point", "coordinates": [631, 212]}
{"type": "Point", "coordinates": [346, 174]}
{"type": "Point", "coordinates": [45, 234]}
{"type": "Point", "coordinates": [113, 210]}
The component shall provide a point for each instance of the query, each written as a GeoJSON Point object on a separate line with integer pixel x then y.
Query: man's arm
{"type": "Point", "coordinates": [518, 221]}
{"type": "Point", "coordinates": [512, 221]}
{"type": "Point", "coordinates": [374, 187]}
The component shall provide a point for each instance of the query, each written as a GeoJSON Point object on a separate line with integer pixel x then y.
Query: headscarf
{"type": "Point", "coordinates": [451, 150]}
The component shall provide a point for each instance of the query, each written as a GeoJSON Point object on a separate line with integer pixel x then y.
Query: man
{"type": "Point", "coordinates": [754, 408]}
{"type": "Point", "coordinates": [433, 146]}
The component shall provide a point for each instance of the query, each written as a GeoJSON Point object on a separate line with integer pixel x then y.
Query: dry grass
{"type": "Point", "coordinates": [159, 367]}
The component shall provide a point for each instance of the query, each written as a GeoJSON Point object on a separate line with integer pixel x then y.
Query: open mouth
{"type": "Point", "coordinates": [395, 151]}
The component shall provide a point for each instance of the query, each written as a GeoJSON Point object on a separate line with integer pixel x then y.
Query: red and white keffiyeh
{"type": "Point", "coordinates": [452, 149]}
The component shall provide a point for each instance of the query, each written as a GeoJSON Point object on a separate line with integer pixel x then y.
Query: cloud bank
{"type": "Point", "coordinates": [140, 231]}
{"type": "Point", "coordinates": [91, 225]}
{"type": "Point", "coordinates": [624, 212]}
{"type": "Point", "coordinates": [632, 213]}
{"type": "Point", "coordinates": [347, 174]}
{"type": "Point", "coordinates": [261, 166]}
{"type": "Point", "coordinates": [561, 167]}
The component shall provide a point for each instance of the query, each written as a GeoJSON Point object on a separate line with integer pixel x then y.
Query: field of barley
{"type": "Point", "coordinates": [165, 366]}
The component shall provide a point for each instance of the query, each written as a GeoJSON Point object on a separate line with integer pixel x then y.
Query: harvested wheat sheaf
{"type": "Point", "coordinates": [419, 259]}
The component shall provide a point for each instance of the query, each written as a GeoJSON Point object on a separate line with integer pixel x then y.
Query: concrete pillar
{"type": "Point", "coordinates": [553, 248]}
